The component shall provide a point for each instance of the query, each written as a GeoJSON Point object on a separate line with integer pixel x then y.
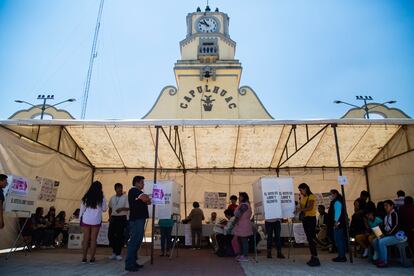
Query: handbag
{"type": "Point", "coordinates": [302, 213]}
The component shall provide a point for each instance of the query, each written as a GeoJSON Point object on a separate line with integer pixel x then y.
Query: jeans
{"type": "Point", "coordinates": [244, 246]}
{"type": "Point", "coordinates": [116, 233]}
{"type": "Point", "coordinates": [136, 231]}
{"type": "Point", "coordinates": [273, 228]}
{"type": "Point", "coordinates": [165, 238]}
{"type": "Point", "coordinates": [339, 235]}
{"type": "Point", "coordinates": [309, 226]}
{"type": "Point", "coordinates": [196, 232]}
{"type": "Point", "coordinates": [381, 244]}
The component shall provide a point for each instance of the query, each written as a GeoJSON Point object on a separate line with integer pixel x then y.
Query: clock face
{"type": "Point", "coordinates": [207, 25]}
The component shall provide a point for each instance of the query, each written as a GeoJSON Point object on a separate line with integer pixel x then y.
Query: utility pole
{"type": "Point", "coordinates": [43, 106]}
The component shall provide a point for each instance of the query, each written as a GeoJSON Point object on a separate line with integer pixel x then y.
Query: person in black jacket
{"type": "Point", "coordinates": [138, 214]}
{"type": "Point", "coordinates": [391, 227]}
{"type": "Point", "coordinates": [339, 223]}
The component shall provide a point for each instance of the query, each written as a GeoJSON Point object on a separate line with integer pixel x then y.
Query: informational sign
{"type": "Point", "coordinates": [103, 234]}
{"type": "Point", "coordinates": [215, 200]}
{"type": "Point", "coordinates": [299, 233]}
{"type": "Point", "coordinates": [21, 196]}
{"type": "Point", "coordinates": [166, 195]}
{"type": "Point", "coordinates": [49, 189]}
{"type": "Point", "coordinates": [274, 197]}
{"type": "Point", "coordinates": [342, 180]}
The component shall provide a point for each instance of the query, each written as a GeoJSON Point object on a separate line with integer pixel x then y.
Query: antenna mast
{"type": "Point", "coordinates": [92, 57]}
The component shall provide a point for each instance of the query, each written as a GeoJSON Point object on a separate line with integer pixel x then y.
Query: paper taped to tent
{"type": "Point", "coordinates": [209, 155]}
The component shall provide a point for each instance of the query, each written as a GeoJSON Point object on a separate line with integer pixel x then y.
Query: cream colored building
{"type": "Point", "coordinates": [208, 76]}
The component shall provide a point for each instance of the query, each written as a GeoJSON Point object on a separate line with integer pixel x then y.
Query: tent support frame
{"type": "Point", "coordinates": [89, 164]}
{"type": "Point", "coordinates": [177, 149]}
{"type": "Point", "coordinates": [338, 156]}
{"type": "Point", "coordinates": [155, 181]}
{"type": "Point", "coordinates": [285, 148]}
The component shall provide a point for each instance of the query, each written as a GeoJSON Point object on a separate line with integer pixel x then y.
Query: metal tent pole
{"type": "Point", "coordinates": [338, 156]}
{"type": "Point", "coordinates": [185, 192]}
{"type": "Point", "coordinates": [155, 181]}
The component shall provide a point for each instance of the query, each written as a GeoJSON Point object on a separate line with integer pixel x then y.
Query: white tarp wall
{"type": "Point", "coordinates": [393, 168]}
{"type": "Point", "coordinates": [233, 182]}
{"type": "Point", "coordinates": [24, 158]}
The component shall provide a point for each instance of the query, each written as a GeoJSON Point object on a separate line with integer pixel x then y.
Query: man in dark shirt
{"type": "Point", "coordinates": [138, 214]}
{"type": "Point", "coordinates": [3, 184]}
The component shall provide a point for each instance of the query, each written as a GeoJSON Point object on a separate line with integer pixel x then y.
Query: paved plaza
{"type": "Point", "coordinates": [188, 262]}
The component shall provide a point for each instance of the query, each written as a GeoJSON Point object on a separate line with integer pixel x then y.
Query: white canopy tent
{"type": "Point", "coordinates": [215, 155]}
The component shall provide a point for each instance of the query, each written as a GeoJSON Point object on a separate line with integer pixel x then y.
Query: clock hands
{"type": "Point", "coordinates": [204, 23]}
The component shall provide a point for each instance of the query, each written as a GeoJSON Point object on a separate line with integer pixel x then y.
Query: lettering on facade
{"type": "Point", "coordinates": [208, 100]}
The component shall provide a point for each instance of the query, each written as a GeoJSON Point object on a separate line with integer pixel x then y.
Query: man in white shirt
{"type": "Point", "coordinates": [118, 211]}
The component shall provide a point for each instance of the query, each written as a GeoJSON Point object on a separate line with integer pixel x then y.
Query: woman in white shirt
{"type": "Point", "coordinates": [92, 205]}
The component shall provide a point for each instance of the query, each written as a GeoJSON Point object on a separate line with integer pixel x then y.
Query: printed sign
{"type": "Point", "coordinates": [299, 233]}
{"type": "Point", "coordinates": [166, 195]}
{"type": "Point", "coordinates": [215, 200]}
{"type": "Point", "coordinates": [19, 186]}
{"type": "Point", "coordinates": [342, 180]}
{"type": "Point", "coordinates": [103, 234]}
{"type": "Point", "coordinates": [21, 196]}
{"type": "Point", "coordinates": [274, 197]}
{"type": "Point", "coordinates": [158, 195]}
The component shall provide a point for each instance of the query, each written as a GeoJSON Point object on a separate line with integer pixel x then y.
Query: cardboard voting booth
{"type": "Point", "coordinates": [166, 195]}
{"type": "Point", "coordinates": [274, 197]}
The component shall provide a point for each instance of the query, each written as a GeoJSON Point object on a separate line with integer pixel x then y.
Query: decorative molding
{"type": "Point", "coordinates": [172, 90]}
{"type": "Point", "coordinates": [375, 108]}
{"type": "Point", "coordinates": [36, 110]}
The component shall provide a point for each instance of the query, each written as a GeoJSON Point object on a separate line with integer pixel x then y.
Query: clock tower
{"type": "Point", "coordinates": [207, 76]}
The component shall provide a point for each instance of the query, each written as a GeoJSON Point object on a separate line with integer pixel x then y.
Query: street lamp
{"type": "Point", "coordinates": [43, 106]}
{"type": "Point", "coordinates": [365, 106]}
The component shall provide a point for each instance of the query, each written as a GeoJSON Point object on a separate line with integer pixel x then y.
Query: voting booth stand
{"type": "Point", "coordinates": [166, 196]}
{"type": "Point", "coordinates": [274, 199]}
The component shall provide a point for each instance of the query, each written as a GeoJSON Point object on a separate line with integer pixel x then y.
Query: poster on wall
{"type": "Point", "coordinates": [48, 189]}
{"type": "Point", "coordinates": [274, 197]}
{"type": "Point", "coordinates": [215, 200]}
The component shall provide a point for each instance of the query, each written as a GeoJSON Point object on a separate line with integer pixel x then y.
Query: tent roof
{"type": "Point", "coordinates": [208, 144]}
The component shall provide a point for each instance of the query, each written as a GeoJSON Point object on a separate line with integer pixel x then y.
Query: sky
{"type": "Point", "coordinates": [299, 56]}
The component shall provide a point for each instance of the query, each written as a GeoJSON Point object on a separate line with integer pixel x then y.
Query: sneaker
{"type": "Point", "coordinates": [92, 261]}
{"type": "Point", "coordinates": [112, 257]}
{"type": "Point", "coordinates": [280, 255]}
{"type": "Point", "coordinates": [314, 261]}
{"type": "Point", "coordinates": [243, 259]}
{"type": "Point", "coordinates": [139, 266]}
{"type": "Point", "coordinates": [269, 254]}
{"type": "Point", "coordinates": [118, 257]}
{"type": "Point", "coordinates": [132, 269]}
{"type": "Point", "coordinates": [339, 259]}
{"type": "Point", "coordinates": [382, 264]}
{"type": "Point", "coordinates": [84, 261]}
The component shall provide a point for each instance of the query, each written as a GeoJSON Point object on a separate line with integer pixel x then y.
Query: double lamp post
{"type": "Point", "coordinates": [43, 106]}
